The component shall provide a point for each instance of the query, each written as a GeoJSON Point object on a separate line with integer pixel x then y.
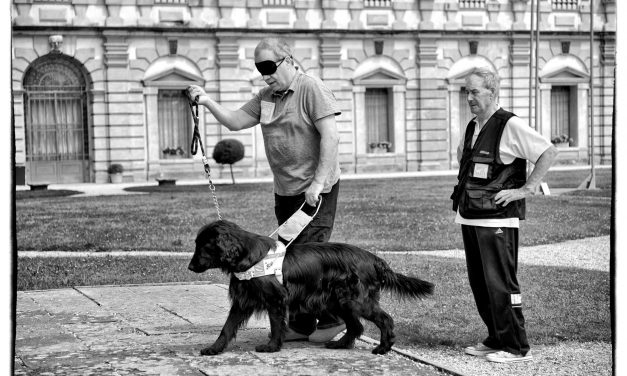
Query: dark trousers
{"type": "Point", "coordinates": [319, 230]}
{"type": "Point", "coordinates": [492, 262]}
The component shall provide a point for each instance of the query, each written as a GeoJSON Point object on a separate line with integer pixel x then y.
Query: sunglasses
{"type": "Point", "coordinates": [268, 67]}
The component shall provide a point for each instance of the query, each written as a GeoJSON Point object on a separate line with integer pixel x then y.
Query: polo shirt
{"type": "Point", "coordinates": [291, 140]}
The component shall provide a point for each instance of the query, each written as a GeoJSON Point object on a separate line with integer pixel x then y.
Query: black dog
{"type": "Point", "coordinates": [340, 278]}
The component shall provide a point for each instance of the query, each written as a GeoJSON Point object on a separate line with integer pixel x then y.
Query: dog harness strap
{"type": "Point", "coordinates": [272, 264]}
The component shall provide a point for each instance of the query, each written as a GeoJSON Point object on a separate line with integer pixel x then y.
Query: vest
{"type": "Point", "coordinates": [482, 174]}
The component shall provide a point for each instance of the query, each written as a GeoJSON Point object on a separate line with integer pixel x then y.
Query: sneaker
{"type": "Point", "coordinates": [506, 357]}
{"type": "Point", "coordinates": [325, 335]}
{"type": "Point", "coordinates": [479, 350]}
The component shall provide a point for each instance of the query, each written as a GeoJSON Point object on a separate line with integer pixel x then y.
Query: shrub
{"type": "Point", "coordinates": [228, 151]}
{"type": "Point", "coordinates": [115, 168]}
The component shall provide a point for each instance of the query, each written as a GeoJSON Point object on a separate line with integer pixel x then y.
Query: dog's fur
{"type": "Point", "coordinates": [340, 278]}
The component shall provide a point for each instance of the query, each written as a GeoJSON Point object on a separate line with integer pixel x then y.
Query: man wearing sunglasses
{"type": "Point", "coordinates": [296, 113]}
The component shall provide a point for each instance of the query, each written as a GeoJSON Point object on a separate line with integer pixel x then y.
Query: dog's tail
{"type": "Point", "coordinates": [404, 286]}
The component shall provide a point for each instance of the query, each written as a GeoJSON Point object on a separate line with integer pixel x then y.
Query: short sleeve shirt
{"type": "Point", "coordinates": [291, 140]}
{"type": "Point", "coordinates": [517, 141]}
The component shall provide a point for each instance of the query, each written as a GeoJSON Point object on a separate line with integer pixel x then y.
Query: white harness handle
{"type": "Point", "coordinates": [295, 224]}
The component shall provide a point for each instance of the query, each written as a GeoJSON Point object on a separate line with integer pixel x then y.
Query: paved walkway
{"type": "Point", "coordinates": [160, 329]}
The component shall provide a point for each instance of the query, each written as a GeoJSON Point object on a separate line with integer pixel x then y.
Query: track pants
{"type": "Point", "coordinates": [492, 262]}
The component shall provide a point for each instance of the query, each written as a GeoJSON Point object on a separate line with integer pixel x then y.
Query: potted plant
{"type": "Point", "coordinates": [115, 171]}
{"type": "Point", "coordinates": [562, 141]}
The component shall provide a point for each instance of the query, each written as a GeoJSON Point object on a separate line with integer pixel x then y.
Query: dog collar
{"type": "Point", "coordinates": [269, 265]}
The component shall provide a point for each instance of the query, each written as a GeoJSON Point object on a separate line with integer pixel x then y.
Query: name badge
{"type": "Point", "coordinates": [267, 110]}
{"type": "Point", "coordinates": [481, 170]}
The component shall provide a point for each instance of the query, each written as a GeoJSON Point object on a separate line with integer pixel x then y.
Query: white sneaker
{"type": "Point", "coordinates": [506, 357]}
{"type": "Point", "coordinates": [479, 350]}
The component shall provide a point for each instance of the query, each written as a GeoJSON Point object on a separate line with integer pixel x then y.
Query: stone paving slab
{"type": "Point", "coordinates": [160, 330]}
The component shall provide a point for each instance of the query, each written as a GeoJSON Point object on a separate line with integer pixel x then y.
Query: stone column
{"type": "Point", "coordinates": [330, 56]}
{"type": "Point", "coordinates": [610, 15]}
{"type": "Point", "coordinates": [145, 9]}
{"type": "Point", "coordinates": [226, 8]}
{"type": "Point", "coordinates": [545, 12]}
{"type": "Point", "coordinates": [328, 11]}
{"type": "Point", "coordinates": [451, 7]}
{"type": "Point", "coordinates": [113, 13]}
{"type": "Point", "coordinates": [423, 153]}
{"type": "Point", "coordinates": [584, 15]}
{"type": "Point", "coordinates": [493, 8]}
{"type": "Point", "coordinates": [80, 9]}
{"type": "Point", "coordinates": [254, 9]}
{"type": "Point", "coordinates": [23, 10]}
{"type": "Point", "coordinates": [355, 8]}
{"type": "Point", "coordinates": [425, 8]}
{"type": "Point", "coordinates": [519, 7]}
{"type": "Point", "coordinates": [520, 52]}
{"type": "Point", "coordinates": [400, 8]}
{"type": "Point", "coordinates": [301, 7]}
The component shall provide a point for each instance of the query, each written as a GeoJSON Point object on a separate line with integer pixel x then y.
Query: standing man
{"type": "Point", "coordinates": [490, 200]}
{"type": "Point", "coordinates": [297, 116]}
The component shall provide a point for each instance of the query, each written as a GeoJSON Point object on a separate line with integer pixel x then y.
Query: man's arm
{"type": "Point", "coordinates": [329, 140]}
{"type": "Point", "coordinates": [233, 120]}
{"type": "Point", "coordinates": [540, 169]}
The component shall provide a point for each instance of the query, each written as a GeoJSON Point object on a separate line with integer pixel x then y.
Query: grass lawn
{"type": "Point", "coordinates": [407, 214]}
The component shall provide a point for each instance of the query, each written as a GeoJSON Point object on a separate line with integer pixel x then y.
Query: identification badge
{"type": "Point", "coordinates": [481, 170]}
{"type": "Point", "coordinates": [267, 110]}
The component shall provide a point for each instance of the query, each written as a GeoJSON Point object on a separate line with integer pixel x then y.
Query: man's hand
{"type": "Point", "coordinates": [506, 196]}
{"type": "Point", "coordinates": [195, 93]}
{"type": "Point", "coordinates": [312, 193]}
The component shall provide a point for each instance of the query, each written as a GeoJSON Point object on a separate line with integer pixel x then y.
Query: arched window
{"type": "Point", "coordinates": [56, 120]}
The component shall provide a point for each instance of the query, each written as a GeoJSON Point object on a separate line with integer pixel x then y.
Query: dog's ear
{"type": "Point", "coordinates": [231, 249]}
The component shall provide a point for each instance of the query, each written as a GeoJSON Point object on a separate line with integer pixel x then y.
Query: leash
{"type": "Point", "coordinates": [197, 141]}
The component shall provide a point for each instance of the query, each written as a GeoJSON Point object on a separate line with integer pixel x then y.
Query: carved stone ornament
{"type": "Point", "coordinates": [55, 41]}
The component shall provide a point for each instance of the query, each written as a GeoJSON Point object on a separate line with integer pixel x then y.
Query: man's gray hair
{"type": "Point", "coordinates": [277, 45]}
{"type": "Point", "coordinates": [491, 80]}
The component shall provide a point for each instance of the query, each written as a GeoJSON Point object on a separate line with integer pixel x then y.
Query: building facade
{"type": "Point", "coordinates": [99, 82]}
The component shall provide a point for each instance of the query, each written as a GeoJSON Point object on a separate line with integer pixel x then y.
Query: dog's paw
{"type": "Point", "coordinates": [340, 344]}
{"type": "Point", "coordinates": [380, 350]}
{"type": "Point", "coordinates": [211, 350]}
{"type": "Point", "coordinates": [267, 348]}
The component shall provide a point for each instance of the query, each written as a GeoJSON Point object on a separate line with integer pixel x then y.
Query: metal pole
{"type": "Point", "coordinates": [531, 63]}
{"type": "Point", "coordinates": [537, 79]}
{"type": "Point", "coordinates": [592, 184]}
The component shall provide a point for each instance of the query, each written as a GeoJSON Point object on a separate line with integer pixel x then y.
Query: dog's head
{"type": "Point", "coordinates": [225, 245]}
